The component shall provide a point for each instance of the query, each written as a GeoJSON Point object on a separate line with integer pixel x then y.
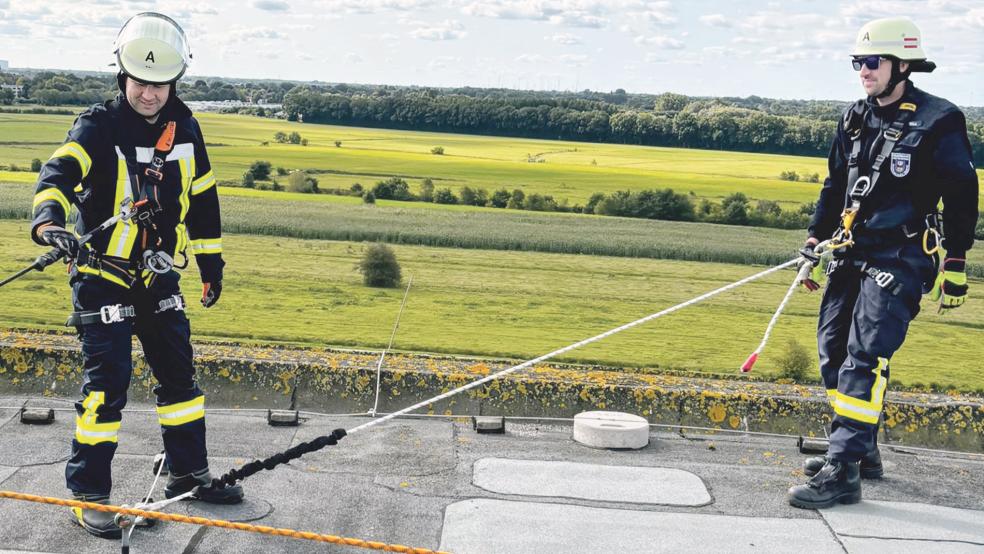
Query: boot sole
{"type": "Point", "coordinates": [846, 498]}
{"type": "Point", "coordinates": [868, 473]}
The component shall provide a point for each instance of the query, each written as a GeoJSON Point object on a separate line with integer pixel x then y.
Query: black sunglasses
{"type": "Point", "coordinates": [872, 62]}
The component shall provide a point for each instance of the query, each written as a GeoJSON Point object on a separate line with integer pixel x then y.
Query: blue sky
{"type": "Point", "coordinates": [791, 49]}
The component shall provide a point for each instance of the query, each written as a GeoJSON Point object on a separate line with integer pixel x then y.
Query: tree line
{"type": "Point", "coordinates": [751, 124]}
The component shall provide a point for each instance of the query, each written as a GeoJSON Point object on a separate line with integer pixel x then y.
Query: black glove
{"type": "Point", "coordinates": [211, 293]}
{"type": "Point", "coordinates": [808, 253]}
{"type": "Point", "coordinates": [62, 240]}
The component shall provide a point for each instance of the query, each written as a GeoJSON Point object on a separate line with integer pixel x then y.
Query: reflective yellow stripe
{"type": "Point", "coordinates": [831, 396]}
{"type": "Point", "coordinates": [203, 183]}
{"type": "Point", "coordinates": [105, 275]}
{"type": "Point", "coordinates": [125, 232]}
{"type": "Point", "coordinates": [75, 150]}
{"type": "Point", "coordinates": [48, 195]}
{"type": "Point", "coordinates": [182, 412]}
{"type": "Point", "coordinates": [863, 410]}
{"type": "Point", "coordinates": [87, 430]}
{"type": "Point", "coordinates": [182, 243]}
{"type": "Point", "coordinates": [187, 167]}
{"type": "Point", "coordinates": [206, 246]}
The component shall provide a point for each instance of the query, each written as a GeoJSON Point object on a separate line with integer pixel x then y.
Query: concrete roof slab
{"type": "Point", "coordinates": [609, 483]}
{"type": "Point", "coordinates": [490, 526]}
{"type": "Point", "coordinates": [907, 520]}
{"type": "Point", "coordinates": [856, 545]}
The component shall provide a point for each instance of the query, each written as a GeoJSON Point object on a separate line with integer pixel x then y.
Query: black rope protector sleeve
{"type": "Point", "coordinates": [284, 457]}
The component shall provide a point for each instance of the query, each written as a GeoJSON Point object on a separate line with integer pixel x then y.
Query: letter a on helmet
{"type": "Point", "coordinates": [893, 37]}
{"type": "Point", "coordinates": [152, 48]}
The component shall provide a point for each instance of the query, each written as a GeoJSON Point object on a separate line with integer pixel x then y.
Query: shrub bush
{"type": "Point", "coordinates": [794, 362]}
{"type": "Point", "coordinates": [260, 170]}
{"type": "Point", "coordinates": [379, 267]}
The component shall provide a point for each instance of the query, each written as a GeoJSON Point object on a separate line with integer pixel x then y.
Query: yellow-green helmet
{"type": "Point", "coordinates": [152, 48]}
{"type": "Point", "coordinates": [893, 37]}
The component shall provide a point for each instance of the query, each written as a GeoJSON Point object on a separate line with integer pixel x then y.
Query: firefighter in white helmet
{"type": "Point", "coordinates": [143, 152]}
{"type": "Point", "coordinates": [897, 156]}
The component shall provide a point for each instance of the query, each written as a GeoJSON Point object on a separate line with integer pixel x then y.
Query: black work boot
{"type": "Point", "coordinates": [180, 484]}
{"type": "Point", "coordinates": [100, 524]}
{"type": "Point", "coordinates": [836, 482]}
{"type": "Point", "coordinates": [871, 465]}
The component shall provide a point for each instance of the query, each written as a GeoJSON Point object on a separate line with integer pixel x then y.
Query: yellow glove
{"type": "Point", "coordinates": [950, 288]}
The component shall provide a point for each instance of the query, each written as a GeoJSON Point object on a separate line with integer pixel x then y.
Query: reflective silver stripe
{"type": "Point", "coordinates": [182, 413]}
{"type": "Point", "coordinates": [181, 151]}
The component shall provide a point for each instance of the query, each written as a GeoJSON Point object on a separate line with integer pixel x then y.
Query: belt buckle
{"type": "Point", "coordinates": [111, 313]}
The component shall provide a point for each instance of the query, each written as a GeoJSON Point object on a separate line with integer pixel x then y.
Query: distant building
{"type": "Point", "coordinates": [4, 65]}
{"type": "Point", "coordinates": [16, 88]}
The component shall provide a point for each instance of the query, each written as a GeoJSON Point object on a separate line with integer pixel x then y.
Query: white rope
{"type": "Point", "coordinates": [576, 345]}
{"type": "Point", "coordinates": [801, 275]}
{"type": "Point", "coordinates": [379, 366]}
{"type": "Point", "coordinates": [772, 323]}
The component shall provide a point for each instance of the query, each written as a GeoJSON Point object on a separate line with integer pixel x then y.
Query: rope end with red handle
{"type": "Point", "coordinates": [747, 366]}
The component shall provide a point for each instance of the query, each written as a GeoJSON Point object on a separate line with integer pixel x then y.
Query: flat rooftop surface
{"type": "Point", "coordinates": [435, 483]}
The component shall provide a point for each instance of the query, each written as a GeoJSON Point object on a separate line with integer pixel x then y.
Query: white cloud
{"type": "Point", "coordinates": [531, 58]}
{"type": "Point", "coordinates": [446, 30]}
{"type": "Point", "coordinates": [715, 20]}
{"type": "Point", "coordinates": [579, 19]}
{"type": "Point", "coordinates": [352, 57]}
{"type": "Point", "coordinates": [659, 18]}
{"type": "Point", "coordinates": [441, 62]}
{"type": "Point", "coordinates": [568, 13]}
{"type": "Point", "coordinates": [13, 28]}
{"type": "Point", "coordinates": [271, 5]}
{"type": "Point", "coordinates": [253, 33]}
{"type": "Point", "coordinates": [565, 38]}
{"type": "Point", "coordinates": [507, 9]}
{"type": "Point", "coordinates": [374, 6]}
{"type": "Point", "coordinates": [573, 60]}
{"type": "Point", "coordinates": [668, 43]}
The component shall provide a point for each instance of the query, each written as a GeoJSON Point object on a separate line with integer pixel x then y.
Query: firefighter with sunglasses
{"type": "Point", "coordinates": [139, 158]}
{"type": "Point", "coordinates": [901, 172]}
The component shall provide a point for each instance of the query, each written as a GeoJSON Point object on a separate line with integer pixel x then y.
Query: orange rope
{"type": "Point", "coordinates": [160, 516]}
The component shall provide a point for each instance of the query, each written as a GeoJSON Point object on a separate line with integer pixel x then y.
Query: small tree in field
{"type": "Point", "coordinates": [379, 267]}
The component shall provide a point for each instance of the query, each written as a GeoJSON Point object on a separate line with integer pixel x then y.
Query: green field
{"type": "Point", "coordinates": [516, 304]}
{"type": "Point", "coordinates": [490, 162]}
{"type": "Point", "coordinates": [346, 218]}
{"type": "Point", "coordinates": [488, 295]}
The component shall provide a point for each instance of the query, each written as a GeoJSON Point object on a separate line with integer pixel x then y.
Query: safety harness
{"type": "Point", "coordinates": [861, 187]}
{"type": "Point", "coordinates": [153, 257]}
{"type": "Point", "coordinates": [116, 313]}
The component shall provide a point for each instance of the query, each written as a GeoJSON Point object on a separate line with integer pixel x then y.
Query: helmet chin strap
{"type": "Point", "coordinates": [894, 81]}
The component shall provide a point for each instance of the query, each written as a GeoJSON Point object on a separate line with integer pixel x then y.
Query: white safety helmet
{"type": "Point", "coordinates": [152, 48]}
{"type": "Point", "coordinates": [893, 37]}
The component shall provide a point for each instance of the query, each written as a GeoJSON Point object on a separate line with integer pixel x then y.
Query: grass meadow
{"type": "Point", "coordinates": [569, 170]}
{"type": "Point", "coordinates": [488, 282]}
{"type": "Point", "coordinates": [513, 304]}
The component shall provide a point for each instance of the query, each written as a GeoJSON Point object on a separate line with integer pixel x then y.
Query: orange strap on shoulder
{"type": "Point", "coordinates": [166, 142]}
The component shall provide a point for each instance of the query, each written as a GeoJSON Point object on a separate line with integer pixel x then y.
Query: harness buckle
{"type": "Point", "coordinates": [154, 174]}
{"type": "Point", "coordinates": [175, 302]}
{"type": "Point", "coordinates": [893, 134]}
{"type": "Point", "coordinates": [111, 313]}
{"type": "Point", "coordinates": [158, 262]}
{"type": "Point", "coordinates": [883, 279]}
{"type": "Point", "coordinates": [861, 188]}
